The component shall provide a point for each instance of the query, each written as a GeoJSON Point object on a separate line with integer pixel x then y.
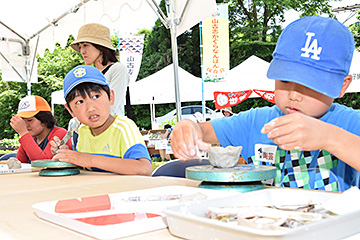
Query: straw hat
{"type": "Point", "coordinates": [93, 33]}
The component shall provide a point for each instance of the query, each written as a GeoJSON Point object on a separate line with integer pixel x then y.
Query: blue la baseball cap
{"type": "Point", "coordinates": [81, 74]}
{"type": "Point", "coordinates": [315, 52]}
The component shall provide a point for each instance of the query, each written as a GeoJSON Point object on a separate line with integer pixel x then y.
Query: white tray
{"type": "Point", "coordinates": [188, 221]}
{"type": "Point", "coordinates": [98, 216]}
{"type": "Point", "coordinates": [25, 167]}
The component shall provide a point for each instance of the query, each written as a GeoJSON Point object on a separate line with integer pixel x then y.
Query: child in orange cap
{"type": "Point", "coordinates": [35, 124]}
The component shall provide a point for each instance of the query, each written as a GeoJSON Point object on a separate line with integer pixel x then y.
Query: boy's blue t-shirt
{"type": "Point", "coordinates": [329, 173]}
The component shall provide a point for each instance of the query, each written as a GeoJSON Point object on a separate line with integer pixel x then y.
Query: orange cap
{"type": "Point", "coordinates": [29, 106]}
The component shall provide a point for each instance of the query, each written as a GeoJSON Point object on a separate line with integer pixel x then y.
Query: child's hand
{"type": "Point", "coordinates": [186, 134]}
{"type": "Point", "coordinates": [56, 145]}
{"type": "Point", "coordinates": [296, 132]}
{"type": "Point", "coordinates": [74, 157]}
{"type": "Point", "coordinates": [19, 125]}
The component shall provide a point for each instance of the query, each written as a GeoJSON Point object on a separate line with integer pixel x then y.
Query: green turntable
{"type": "Point", "coordinates": [54, 168]}
{"type": "Point", "coordinates": [241, 178]}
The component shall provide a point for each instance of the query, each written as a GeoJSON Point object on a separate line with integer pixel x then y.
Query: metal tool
{"type": "Point", "coordinates": [154, 198]}
{"type": "Point", "coordinates": [66, 138]}
{"type": "Point", "coordinates": [68, 135]}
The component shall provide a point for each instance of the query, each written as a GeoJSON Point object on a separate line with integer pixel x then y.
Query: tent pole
{"type": "Point", "coordinates": [26, 48]}
{"type": "Point", "coordinates": [201, 68]}
{"type": "Point", "coordinates": [171, 23]}
{"type": "Point", "coordinates": [158, 12]}
{"type": "Point", "coordinates": [171, 9]}
{"type": "Point", "coordinates": [74, 9]}
{"type": "Point", "coordinates": [27, 71]}
{"type": "Point", "coordinates": [12, 67]}
{"type": "Point", "coordinates": [14, 33]}
{"type": "Point", "coordinates": [176, 75]}
{"type": "Point", "coordinates": [34, 59]}
{"type": "Point", "coordinates": [152, 113]}
{"type": "Point", "coordinates": [25, 52]}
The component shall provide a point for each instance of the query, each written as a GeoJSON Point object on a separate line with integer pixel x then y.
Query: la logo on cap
{"type": "Point", "coordinates": [80, 72]}
{"type": "Point", "coordinates": [311, 48]}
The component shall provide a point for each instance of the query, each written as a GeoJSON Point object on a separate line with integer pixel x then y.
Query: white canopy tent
{"type": "Point", "coordinates": [250, 74]}
{"type": "Point", "coordinates": [54, 21]}
{"type": "Point", "coordinates": [28, 28]}
{"type": "Point", "coordinates": [57, 97]}
{"type": "Point", "coordinates": [182, 15]}
{"type": "Point", "coordinates": [157, 88]}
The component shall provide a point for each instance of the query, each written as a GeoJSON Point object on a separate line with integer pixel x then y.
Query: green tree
{"type": "Point", "coordinates": [52, 69]}
{"type": "Point", "coordinates": [158, 53]}
{"type": "Point", "coordinates": [355, 30]}
{"type": "Point", "coordinates": [255, 25]}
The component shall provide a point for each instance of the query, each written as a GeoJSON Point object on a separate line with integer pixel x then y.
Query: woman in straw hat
{"type": "Point", "coordinates": [94, 44]}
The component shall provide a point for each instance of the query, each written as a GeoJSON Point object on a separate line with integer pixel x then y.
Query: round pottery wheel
{"type": "Point", "coordinates": [58, 172]}
{"type": "Point", "coordinates": [239, 173]}
{"type": "Point", "coordinates": [51, 163]}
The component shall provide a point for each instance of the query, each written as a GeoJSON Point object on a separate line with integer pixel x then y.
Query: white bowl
{"type": "Point", "coordinates": [224, 157]}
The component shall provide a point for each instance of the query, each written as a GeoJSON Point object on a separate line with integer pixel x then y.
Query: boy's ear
{"type": "Point", "coordinates": [112, 97]}
{"type": "Point", "coordinates": [67, 107]}
{"type": "Point", "coordinates": [346, 83]}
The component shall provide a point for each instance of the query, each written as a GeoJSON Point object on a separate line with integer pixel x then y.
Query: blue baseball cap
{"type": "Point", "coordinates": [81, 74]}
{"type": "Point", "coordinates": [315, 52]}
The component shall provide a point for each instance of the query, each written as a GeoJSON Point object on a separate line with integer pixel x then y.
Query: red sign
{"type": "Point", "coordinates": [267, 95]}
{"type": "Point", "coordinates": [229, 99]}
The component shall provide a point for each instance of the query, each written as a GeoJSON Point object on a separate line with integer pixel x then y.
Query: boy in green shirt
{"type": "Point", "coordinates": [106, 142]}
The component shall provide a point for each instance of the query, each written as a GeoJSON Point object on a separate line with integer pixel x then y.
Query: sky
{"type": "Point", "coordinates": [151, 17]}
{"type": "Point", "coordinates": [133, 16]}
{"type": "Point", "coordinates": [342, 16]}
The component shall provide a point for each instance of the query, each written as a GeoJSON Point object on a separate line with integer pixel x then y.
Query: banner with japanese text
{"type": "Point", "coordinates": [267, 95]}
{"type": "Point", "coordinates": [229, 99]}
{"type": "Point", "coordinates": [215, 54]}
{"type": "Point", "coordinates": [131, 51]}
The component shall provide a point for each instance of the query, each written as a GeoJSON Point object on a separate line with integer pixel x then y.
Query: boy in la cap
{"type": "Point", "coordinates": [312, 142]}
{"type": "Point", "coordinates": [106, 142]}
{"type": "Point", "coordinates": [35, 125]}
